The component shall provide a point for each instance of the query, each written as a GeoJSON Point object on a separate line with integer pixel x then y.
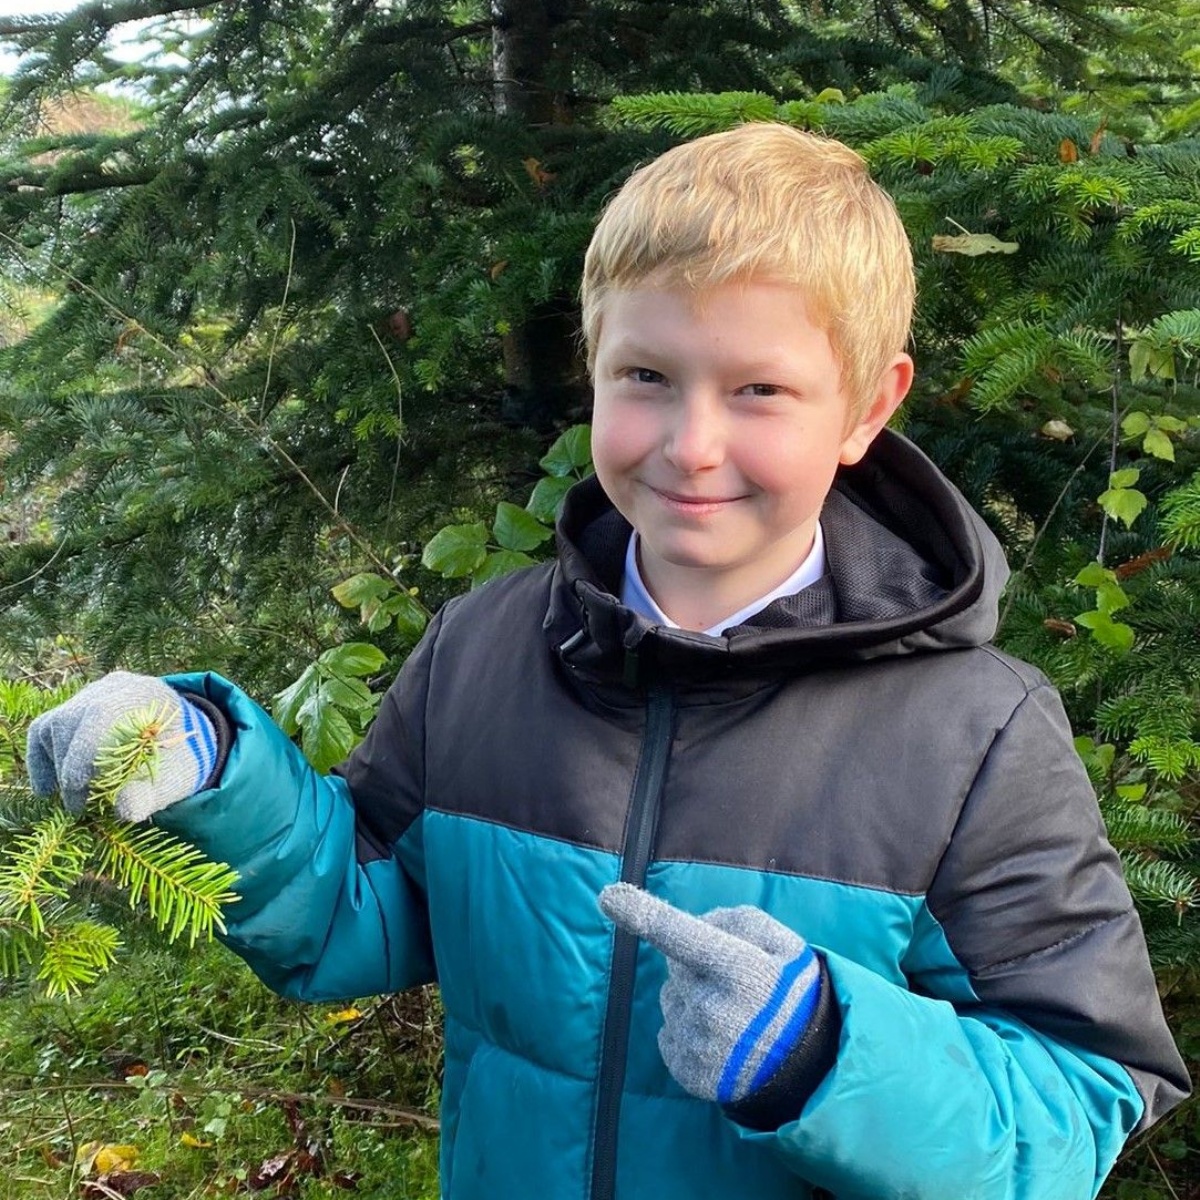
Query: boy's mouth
{"type": "Point", "coordinates": [693, 504]}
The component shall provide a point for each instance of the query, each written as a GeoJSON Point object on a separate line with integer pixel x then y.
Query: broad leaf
{"type": "Point", "coordinates": [1094, 575]}
{"type": "Point", "coordinates": [408, 614]}
{"type": "Point", "coordinates": [1157, 443]}
{"type": "Point", "coordinates": [326, 736]}
{"type": "Point", "coordinates": [456, 550]}
{"type": "Point", "coordinates": [548, 495]}
{"type": "Point", "coordinates": [571, 452]}
{"type": "Point", "coordinates": [361, 589]}
{"type": "Point", "coordinates": [501, 563]}
{"type": "Point", "coordinates": [353, 658]}
{"type": "Point", "coordinates": [516, 529]}
{"type": "Point", "coordinates": [1122, 503]}
{"type": "Point", "coordinates": [289, 702]}
{"type": "Point", "coordinates": [1135, 423]}
{"type": "Point", "coordinates": [1125, 478]}
{"type": "Point", "coordinates": [1109, 633]}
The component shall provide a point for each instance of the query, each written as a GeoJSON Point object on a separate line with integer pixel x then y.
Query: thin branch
{"type": "Point", "coordinates": [402, 1113]}
{"type": "Point", "coordinates": [102, 16]}
{"type": "Point", "coordinates": [287, 287]}
{"type": "Point", "coordinates": [41, 570]}
{"type": "Point", "coordinates": [1115, 435]}
{"type": "Point", "coordinates": [399, 422]}
{"type": "Point", "coordinates": [247, 423]}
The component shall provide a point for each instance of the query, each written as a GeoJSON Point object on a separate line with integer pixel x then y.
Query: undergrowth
{"type": "Point", "coordinates": [182, 1075]}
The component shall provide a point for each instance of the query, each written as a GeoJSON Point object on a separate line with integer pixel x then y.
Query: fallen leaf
{"type": "Point", "coordinates": [1068, 152]}
{"type": "Point", "coordinates": [102, 1157]}
{"type": "Point", "coordinates": [271, 1170]}
{"type": "Point", "coordinates": [972, 244]}
{"type": "Point", "coordinates": [114, 1158]}
{"type": "Point", "coordinates": [190, 1139]}
{"type": "Point", "coordinates": [537, 172]}
{"type": "Point", "coordinates": [342, 1015]}
{"type": "Point", "coordinates": [119, 1183]}
{"type": "Point", "coordinates": [1060, 431]}
{"type": "Point", "coordinates": [1098, 137]}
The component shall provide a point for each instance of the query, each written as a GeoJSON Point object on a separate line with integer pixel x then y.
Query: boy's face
{"type": "Point", "coordinates": [719, 423]}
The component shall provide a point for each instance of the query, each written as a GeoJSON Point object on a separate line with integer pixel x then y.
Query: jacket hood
{"type": "Point", "coordinates": [911, 567]}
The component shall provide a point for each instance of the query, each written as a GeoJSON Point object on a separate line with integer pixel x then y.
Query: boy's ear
{"type": "Point", "coordinates": [893, 387]}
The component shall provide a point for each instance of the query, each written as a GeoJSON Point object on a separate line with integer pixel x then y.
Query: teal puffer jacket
{"type": "Point", "coordinates": [857, 761]}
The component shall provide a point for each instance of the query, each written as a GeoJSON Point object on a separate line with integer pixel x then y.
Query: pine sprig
{"type": "Point", "coordinates": [42, 866]}
{"type": "Point", "coordinates": [77, 954]}
{"type": "Point", "coordinates": [44, 858]}
{"type": "Point", "coordinates": [131, 750]}
{"type": "Point", "coordinates": [1156, 881]}
{"type": "Point", "coordinates": [184, 892]}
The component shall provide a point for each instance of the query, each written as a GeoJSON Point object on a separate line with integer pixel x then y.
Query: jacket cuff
{"type": "Point", "coordinates": [782, 1097]}
{"type": "Point", "coordinates": [222, 730]}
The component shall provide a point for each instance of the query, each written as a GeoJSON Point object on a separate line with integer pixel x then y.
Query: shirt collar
{"type": "Point", "coordinates": [635, 595]}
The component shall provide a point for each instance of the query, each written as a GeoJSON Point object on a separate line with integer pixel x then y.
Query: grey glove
{"type": "Point", "coordinates": [740, 995]}
{"type": "Point", "coordinates": [63, 744]}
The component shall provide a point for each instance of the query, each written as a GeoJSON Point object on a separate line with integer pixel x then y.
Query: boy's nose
{"type": "Point", "coordinates": [696, 437]}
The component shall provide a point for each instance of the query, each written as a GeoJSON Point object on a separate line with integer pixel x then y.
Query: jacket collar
{"type": "Point", "coordinates": [911, 567]}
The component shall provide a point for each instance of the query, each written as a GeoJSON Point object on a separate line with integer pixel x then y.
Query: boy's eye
{"type": "Point", "coordinates": [762, 389]}
{"type": "Point", "coordinates": [646, 375]}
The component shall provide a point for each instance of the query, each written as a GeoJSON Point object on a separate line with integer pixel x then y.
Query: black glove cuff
{"type": "Point", "coordinates": [221, 729]}
{"type": "Point", "coordinates": [782, 1097]}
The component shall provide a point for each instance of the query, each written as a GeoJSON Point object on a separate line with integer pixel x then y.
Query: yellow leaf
{"type": "Point", "coordinates": [190, 1139]}
{"type": "Point", "coordinates": [972, 244]}
{"type": "Point", "coordinates": [342, 1016]}
{"type": "Point", "coordinates": [102, 1157]}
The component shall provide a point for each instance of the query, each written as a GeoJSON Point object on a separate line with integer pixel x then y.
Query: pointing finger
{"type": "Point", "coordinates": [683, 938]}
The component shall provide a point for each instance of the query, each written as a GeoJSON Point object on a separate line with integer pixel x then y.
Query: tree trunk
{"type": "Point", "coordinates": [540, 363]}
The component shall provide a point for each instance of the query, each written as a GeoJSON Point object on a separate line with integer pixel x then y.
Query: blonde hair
{"type": "Point", "coordinates": [769, 203]}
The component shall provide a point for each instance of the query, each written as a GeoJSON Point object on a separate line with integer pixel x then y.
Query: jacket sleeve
{"type": "Point", "coordinates": [331, 877]}
{"type": "Point", "coordinates": [1015, 1068]}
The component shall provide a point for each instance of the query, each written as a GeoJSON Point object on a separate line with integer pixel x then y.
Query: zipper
{"type": "Point", "coordinates": [639, 845]}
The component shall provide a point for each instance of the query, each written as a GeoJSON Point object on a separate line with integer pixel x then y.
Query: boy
{"type": "Point", "coordinates": [756, 688]}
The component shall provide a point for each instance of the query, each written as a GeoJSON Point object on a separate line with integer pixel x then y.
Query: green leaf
{"type": "Point", "coordinates": [572, 452]}
{"type": "Point", "coordinates": [1171, 424]}
{"type": "Point", "coordinates": [1135, 424]}
{"type": "Point", "coordinates": [362, 589]}
{"type": "Point", "coordinates": [1132, 792]}
{"type": "Point", "coordinates": [500, 563]}
{"type": "Point", "coordinates": [548, 495]}
{"type": "Point", "coordinates": [1094, 575]}
{"type": "Point", "coordinates": [1109, 633]}
{"type": "Point", "coordinates": [353, 658]}
{"type": "Point", "coordinates": [1139, 361]}
{"type": "Point", "coordinates": [1125, 478]}
{"type": "Point", "coordinates": [351, 694]}
{"type": "Point", "coordinates": [456, 550]}
{"type": "Point", "coordinates": [1111, 598]}
{"type": "Point", "coordinates": [289, 702]}
{"type": "Point", "coordinates": [1122, 503]}
{"type": "Point", "coordinates": [408, 614]}
{"type": "Point", "coordinates": [1157, 443]}
{"type": "Point", "coordinates": [326, 736]}
{"type": "Point", "coordinates": [516, 529]}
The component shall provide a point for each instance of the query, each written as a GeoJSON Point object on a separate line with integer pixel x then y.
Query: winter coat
{"type": "Point", "coordinates": [857, 760]}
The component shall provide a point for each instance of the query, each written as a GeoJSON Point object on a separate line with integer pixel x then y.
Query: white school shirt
{"type": "Point", "coordinates": [635, 596]}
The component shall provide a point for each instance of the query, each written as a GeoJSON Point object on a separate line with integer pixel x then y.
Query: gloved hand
{"type": "Point", "coordinates": [742, 991]}
{"type": "Point", "coordinates": [63, 744]}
